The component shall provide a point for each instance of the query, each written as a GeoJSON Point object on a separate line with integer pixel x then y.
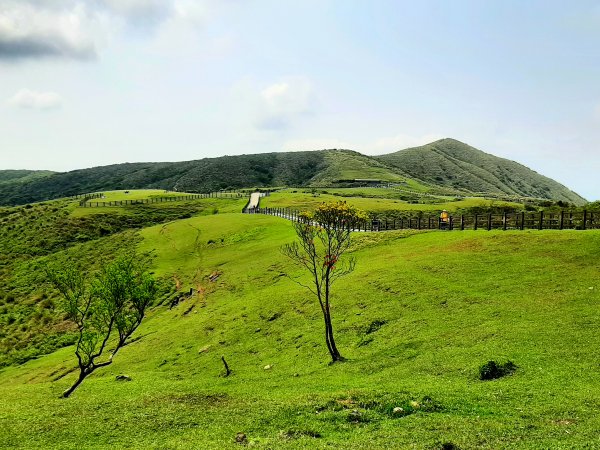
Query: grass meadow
{"type": "Point", "coordinates": [418, 317]}
{"type": "Point", "coordinates": [374, 200]}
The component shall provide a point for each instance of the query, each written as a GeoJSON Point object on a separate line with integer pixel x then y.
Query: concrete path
{"type": "Point", "coordinates": [254, 199]}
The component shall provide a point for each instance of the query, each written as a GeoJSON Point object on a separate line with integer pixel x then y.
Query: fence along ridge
{"type": "Point", "coordinates": [543, 220]}
{"type": "Point", "coordinates": [85, 203]}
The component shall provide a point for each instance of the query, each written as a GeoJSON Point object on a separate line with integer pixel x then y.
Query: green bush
{"type": "Point", "coordinates": [492, 370]}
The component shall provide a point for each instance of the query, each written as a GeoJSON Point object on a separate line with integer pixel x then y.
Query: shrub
{"type": "Point", "coordinates": [492, 370]}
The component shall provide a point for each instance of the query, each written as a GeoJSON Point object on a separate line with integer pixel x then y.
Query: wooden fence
{"type": "Point", "coordinates": [221, 194]}
{"type": "Point", "coordinates": [563, 220]}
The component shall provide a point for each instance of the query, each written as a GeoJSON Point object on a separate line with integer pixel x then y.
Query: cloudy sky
{"type": "Point", "coordinates": [93, 82]}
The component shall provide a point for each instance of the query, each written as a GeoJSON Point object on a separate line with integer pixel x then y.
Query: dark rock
{"type": "Point", "coordinates": [241, 438]}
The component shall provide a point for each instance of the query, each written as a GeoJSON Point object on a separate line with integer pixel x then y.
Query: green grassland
{"type": "Point", "coordinates": [420, 314]}
{"type": "Point", "coordinates": [386, 200]}
{"type": "Point", "coordinates": [137, 194]}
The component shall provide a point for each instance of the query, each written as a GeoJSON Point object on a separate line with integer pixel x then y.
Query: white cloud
{"type": "Point", "coordinates": [27, 30]}
{"type": "Point", "coordinates": [283, 102]}
{"type": "Point", "coordinates": [74, 28]}
{"type": "Point", "coordinates": [29, 99]}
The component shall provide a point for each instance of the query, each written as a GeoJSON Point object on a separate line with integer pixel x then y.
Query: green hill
{"type": "Point", "coordinates": [416, 320]}
{"type": "Point", "coordinates": [206, 175]}
{"type": "Point", "coordinates": [451, 163]}
{"type": "Point", "coordinates": [445, 167]}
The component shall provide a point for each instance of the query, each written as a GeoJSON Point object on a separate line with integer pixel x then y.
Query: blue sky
{"type": "Point", "coordinates": [95, 82]}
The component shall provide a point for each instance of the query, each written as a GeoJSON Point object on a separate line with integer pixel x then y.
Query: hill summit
{"type": "Point", "coordinates": [454, 164]}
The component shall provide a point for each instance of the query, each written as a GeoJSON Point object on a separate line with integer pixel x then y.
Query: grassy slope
{"type": "Point", "coordinates": [30, 322]}
{"type": "Point", "coordinates": [306, 200]}
{"type": "Point", "coordinates": [205, 175]}
{"type": "Point", "coordinates": [451, 301]}
{"type": "Point", "coordinates": [451, 163]}
{"type": "Point", "coordinates": [210, 174]}
{"type": "Point", "coordinates": [349, 165]}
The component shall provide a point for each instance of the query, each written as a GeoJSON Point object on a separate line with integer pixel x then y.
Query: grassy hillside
{"type": "Point", "coordinates": [30, 321]}
{"type": "Point", "coordinates": [206, 175]}
{"type": "Point", "coordinates": [376, 200]}
{"type": "Point", "coordinates": [445, 167]}
{"type": "Point", "coordinates": [416, 319]}
{"type": "Point", "coordinates": [319, 168]}
{"type": "Point", "coordinates": [349, 165]}
{"type": "Point", "coordinates": [451, 163]}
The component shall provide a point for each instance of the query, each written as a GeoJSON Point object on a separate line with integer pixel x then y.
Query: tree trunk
{"type": "Point", "coordinates": [82, 375]}
{"type": "Point", "coordinates": [327, 340]}
{"type": "Point", "coordinates": [333, 351]}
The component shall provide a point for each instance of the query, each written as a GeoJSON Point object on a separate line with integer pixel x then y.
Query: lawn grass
{"type": "Point", "coordinates": [417, 318]}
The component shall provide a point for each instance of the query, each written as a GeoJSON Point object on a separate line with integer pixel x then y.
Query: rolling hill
{"type": "Point", "coordinates": [320, 168]}
{"type": "Point", "coordinates": [446, 166]}
{"type": "Point", "coordinates": [416, 320]}
{"type": "Point", "coordinates": [451, 163]}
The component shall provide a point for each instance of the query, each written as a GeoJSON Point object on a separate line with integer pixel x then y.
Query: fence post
{"type": "Point", "coordinates": [489, 224]}
{"type": "Point", "coordinates": [475, 222]}
{"type": "Point", "coordinates": [541, 224]}
{"type": "Point", "coordinates": [462, 222]}
{"type": "Point", "coordinates": [522, 220]}
{"type": "Point", "coordinates": [584, 218]}
{"type": "Point", "coordinates": [418, 223]}
{"type": "Point", "coordinates": [504, 221]}
{"type": "Point", "coordinates": [562, 218]}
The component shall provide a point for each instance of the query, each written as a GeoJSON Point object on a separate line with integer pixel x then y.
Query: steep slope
{"type": "Point", "coordinates": [451, 163]}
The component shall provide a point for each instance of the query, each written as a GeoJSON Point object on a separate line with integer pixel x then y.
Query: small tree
{"type": "Point", "coordinates": [323, 238]}
{"type": "Point", "coordinates": [111, 305]}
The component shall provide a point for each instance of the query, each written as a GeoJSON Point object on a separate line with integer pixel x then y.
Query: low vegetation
{"type": "Point", "coordinates": [417, 318]}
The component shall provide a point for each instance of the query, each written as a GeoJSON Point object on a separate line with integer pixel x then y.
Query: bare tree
{"type": "Point", "coordinates": [107, 309]}
{"type": "Point", "coordinates": [323, 238]}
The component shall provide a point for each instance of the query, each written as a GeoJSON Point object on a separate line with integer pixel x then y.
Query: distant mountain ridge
{"type": "Point", "coordinates": [448, 164]}
{"type": "Point", "coordinates": [454, 164]}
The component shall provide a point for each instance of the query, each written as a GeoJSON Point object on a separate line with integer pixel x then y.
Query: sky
{"type": "Point", "coordinates": [95, 82]}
